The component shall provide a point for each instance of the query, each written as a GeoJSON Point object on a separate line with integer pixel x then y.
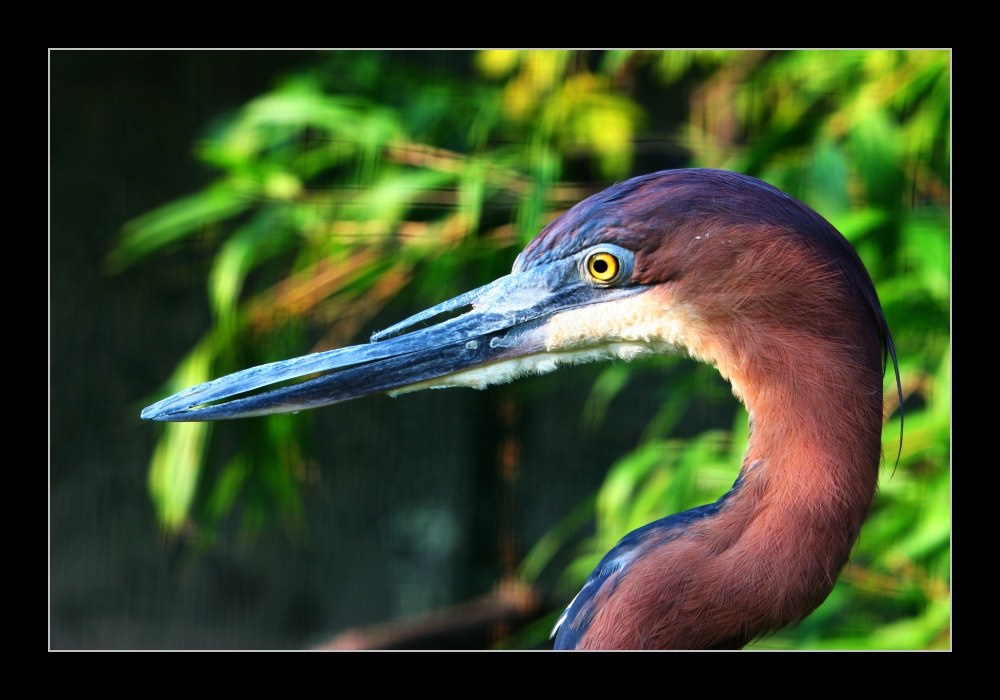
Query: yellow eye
{"type": "Point", "coordinates": [603, 267]}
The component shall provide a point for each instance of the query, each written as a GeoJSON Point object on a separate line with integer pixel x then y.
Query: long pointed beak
{"type": "Point", "coordinates": [507, 321]}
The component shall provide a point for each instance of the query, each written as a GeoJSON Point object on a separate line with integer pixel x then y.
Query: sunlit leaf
{"type": "Point", "coordinates": [176, 462]}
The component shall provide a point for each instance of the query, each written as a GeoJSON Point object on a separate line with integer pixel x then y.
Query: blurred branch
{"type": "Point", "coordinates": [472, 625]}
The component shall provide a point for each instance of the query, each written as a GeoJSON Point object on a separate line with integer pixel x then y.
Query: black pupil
{"type": "Point", "coordinates": [600, 266]}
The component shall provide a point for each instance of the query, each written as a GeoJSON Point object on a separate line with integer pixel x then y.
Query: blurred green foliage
{"type": "Point", "coordinates": [374, 174]}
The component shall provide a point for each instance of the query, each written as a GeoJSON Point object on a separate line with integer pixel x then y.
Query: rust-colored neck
{"type": "Point", "coordinates": [807, 363]}
{"type": "Point", "coordinates": [772, 552]}
{"type": "Point", "coordinates": [808, 366]}
{"type": "Point", "coordinates": [808, 477]}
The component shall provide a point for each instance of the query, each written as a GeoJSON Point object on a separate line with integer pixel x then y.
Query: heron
{"type": "Point", "coordinates": [721, 266]}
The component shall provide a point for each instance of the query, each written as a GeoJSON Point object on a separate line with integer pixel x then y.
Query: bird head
{"type": "Point", "coordinates": [694, 260]}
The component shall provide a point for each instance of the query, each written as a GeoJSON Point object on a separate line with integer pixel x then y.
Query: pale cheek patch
{"type": "Point", "coordinates": [627, 329]}
{"type": "Point", "coordinates": [645, 322]}
{"type": "Point", "coordinates": [539, 363]}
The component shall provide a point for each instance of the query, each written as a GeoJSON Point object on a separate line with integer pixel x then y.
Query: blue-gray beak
{"type": "Point", "coordinates": [503, 335]}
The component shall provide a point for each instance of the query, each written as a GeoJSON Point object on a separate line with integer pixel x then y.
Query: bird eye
{"type": "Point", "coordinates": [603, 266]}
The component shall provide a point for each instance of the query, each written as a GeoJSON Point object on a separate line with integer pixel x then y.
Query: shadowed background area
{"type": "Point", "coordinates": [215, 210]}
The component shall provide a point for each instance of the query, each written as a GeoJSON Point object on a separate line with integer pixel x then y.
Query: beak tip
{"type": "Point", "coordinates": [157, 412]}
{"type": "Point", "coordinates": [149, 413]}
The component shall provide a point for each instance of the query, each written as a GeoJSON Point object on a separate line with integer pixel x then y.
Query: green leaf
{"type": "Point", "coordinates": [177, 459]}
{"type": "Point", "coordinates": [172, 222]}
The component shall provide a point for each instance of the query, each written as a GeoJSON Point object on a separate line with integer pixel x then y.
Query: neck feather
{"type": "Point", "coordinates": [771, 553]}
{"type": "Point", "coordinates": [808, 477]}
